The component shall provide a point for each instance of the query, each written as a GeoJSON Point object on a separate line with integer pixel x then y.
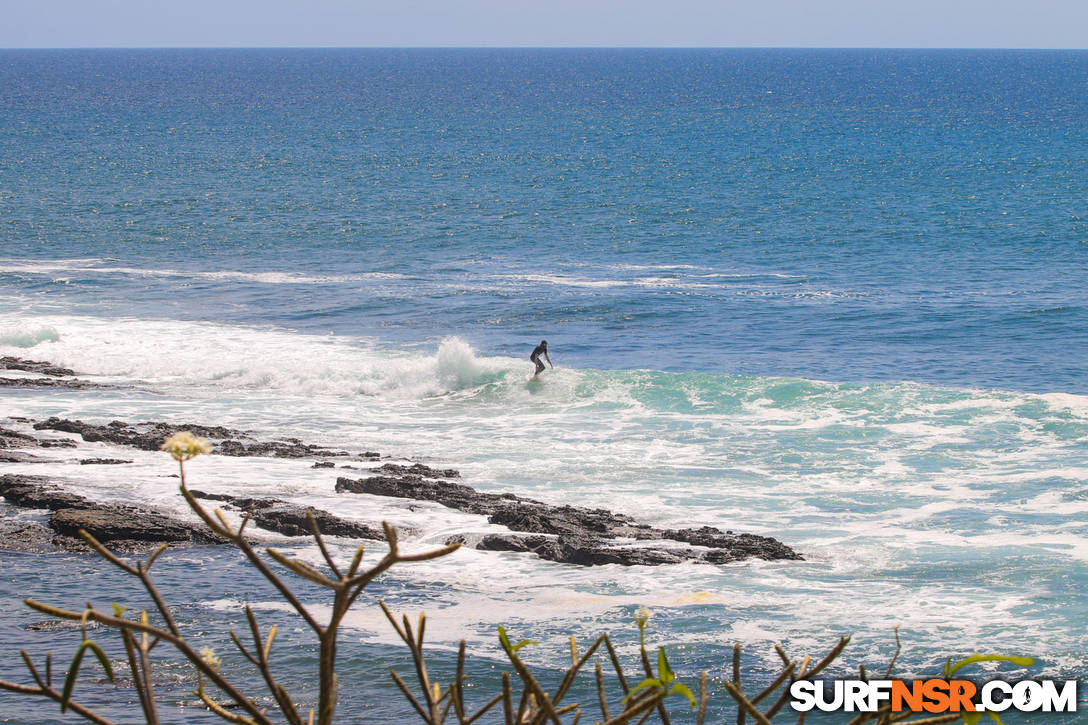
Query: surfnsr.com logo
{"type": "Point", "coordinates": [934, 696]}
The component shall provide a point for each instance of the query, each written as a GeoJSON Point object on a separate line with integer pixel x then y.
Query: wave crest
{"type": "Point", "coordinates": [24, 338]}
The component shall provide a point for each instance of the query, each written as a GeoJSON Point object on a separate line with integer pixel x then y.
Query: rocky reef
{"type": "Point", "coordinates": [568, 534]}
{"type": "Point", "coordinates": [560, 533]}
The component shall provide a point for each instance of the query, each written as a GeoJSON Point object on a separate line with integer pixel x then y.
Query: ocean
{"type": "Point", "coordinates": [832, 296]}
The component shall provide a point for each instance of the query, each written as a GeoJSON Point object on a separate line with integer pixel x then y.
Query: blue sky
{"type": "Point", "coordinates": [819, 23]}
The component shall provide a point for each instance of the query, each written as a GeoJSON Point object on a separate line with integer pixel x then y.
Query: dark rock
{"type": "Point", "coordinates": [33, 366]}
{"type": "Point", "coordinates": [291, 520]}
{"type": "Point", "coordinates": [540, 518]}
{"type": "Point", "coordinates": [588, 551]}
{"type": "Point", "coordinates": [37, 492]}
{"type": "Point", "coordinates": [568, 534]}
{"type": "Point", "coordinates": [20, 457]}
{"type": "Point", "coordinates": [63, 383]}
{"type": "Point", "coordinates": [15, 439]}
{"type": "Point", "coordinates": [110, 523]}
{"type": "Point", "coordinates": [102, 461]}
{"type": "Point", "coordinates": [210, 496]}
{"type": "Point", "coordinates": [58, 443]}
{"type": "Point", "coordinates": [417, 469]}
{"type": "Point", "coordinates": [454, 495]}
{"type": "Point", "coordinates": [324, 464]}
{"type": "Point", "coordinates": [21, 534]}
{"type": "Point", "coordinates": [501, 542]}
{"type": "Point", "coordinates": [61, 625]}
{"type": "Point", "coordinates": [585, 550]}
{"type": "Point", "coordinates": [150, 436]}
{"type": "Point", "coordinates": [129, 526]}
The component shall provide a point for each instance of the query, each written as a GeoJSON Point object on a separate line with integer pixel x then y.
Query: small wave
{"type": "Point", "coordinates": [225, 357]}
{"type": "Point", "coordinates": [28, 338]}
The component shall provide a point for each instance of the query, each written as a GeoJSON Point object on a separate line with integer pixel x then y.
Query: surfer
{"type": "Point", "coordinates": [541, 349]}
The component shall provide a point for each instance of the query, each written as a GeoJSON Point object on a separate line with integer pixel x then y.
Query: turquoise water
{"type": "Point", "coordinates": [831, 296]}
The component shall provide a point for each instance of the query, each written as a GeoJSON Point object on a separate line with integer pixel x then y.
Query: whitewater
{"type": "Point", "coordinates": [847, 314]}
{"type": "Point", "coordinates": [921, 502]}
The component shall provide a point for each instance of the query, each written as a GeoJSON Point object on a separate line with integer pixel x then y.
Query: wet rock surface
{"type": "Point", "coordinates": [34, 366]}
{"type": "Point", "coordinates": [121, 527]}
{"type": "Point", "coordinates": [21, 534]}
{"type": "Point", "coordinates": [109, 523]}
{"type": "Point", "coordinates": [61, 625]}
{"type": "Point", "coordinates": [290, 519]}
{"type": "Point", "coordinates": [225, 441]}
{"type": "Point", "coordinates": [15, 439]}
{"type": "Point", "coordinates": [132, 528]}
{"type": "Point", "coordinates": [568, 534]}
{"type": "Point", "coordinates": [60, 383]}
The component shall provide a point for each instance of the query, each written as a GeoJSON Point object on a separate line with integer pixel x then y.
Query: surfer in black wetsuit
{"type": "Point", "coordinates": [541, 349]}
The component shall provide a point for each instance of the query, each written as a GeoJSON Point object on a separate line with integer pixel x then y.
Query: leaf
{"type": "Point", "coordinates": [118, 609]}
{"type": "Point", "coordinates": [514, 647]}
{"type": "Point", "coordinates": [971, 718]}
{"type": "Point", "coordinates": [648, 682]}
{"type": "Point", "coordinates": [102, 659]}
{"type": "Point", "coordinates": [994, 716]}
{"type": "Point", "coordinates": [1022, 661]}
{"type": "Point", "coordinates": [73, 670]}
{"type": "Point", "coordinates": [683, 690]}
{"type": "Point", "coordinates": [663, 670]}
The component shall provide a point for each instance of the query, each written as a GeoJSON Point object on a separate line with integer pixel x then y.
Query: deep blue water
{"type": "Point", "coordinates": [843, 215]}
{"type": "Point", "coordinates": [836, 297]}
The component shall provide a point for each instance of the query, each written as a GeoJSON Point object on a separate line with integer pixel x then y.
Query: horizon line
{"type": "Point", "coordinates": [534, 47]}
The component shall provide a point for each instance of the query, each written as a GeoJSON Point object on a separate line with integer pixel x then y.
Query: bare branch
{"type": "Point", "coordinates": [243, 545]}
{"type": "Point", "coordinates": [898, 648]}
{"type": "Point", "coordinates": [316, 531]}
{"type": "Point", "coordinates": [179, 643]}
{"type": "Point", "coordinates": [746, 704]}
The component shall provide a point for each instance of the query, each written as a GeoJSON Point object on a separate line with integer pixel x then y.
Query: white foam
{"type": "Point", "coordinates": [883, 499]}
{"type": "Point", "coordinates": [97, 267]}
{"type": "Point", "coordinates": [245, 358]}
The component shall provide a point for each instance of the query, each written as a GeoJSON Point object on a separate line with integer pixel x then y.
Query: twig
{"type": "Point", "coordinates": [898, 647]}
{"type": "Point", "coordinates": [736, 678]}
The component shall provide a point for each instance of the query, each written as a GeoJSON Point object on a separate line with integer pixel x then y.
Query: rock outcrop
{"type": "Point", "coordinates": [8, 362]}
{"type": "Point", "coordinates": [561, 533]}
{"type": "Point", "coordinates": [290, 519]}
{"type": "Point", "coordinates": [122, 527]}
{"type": "Point", "coordinates": [225, 441]}
{"type": "Point", "coordinates": [569, 534]}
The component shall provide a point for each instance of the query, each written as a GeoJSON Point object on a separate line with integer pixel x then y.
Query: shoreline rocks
{"type": "Point", "coordinates": [567, 534]}
{"type": "Point", "coordinates": [62, 383]}
{"type": "Point", "coordinates": [149, 436]}
{"type": "Point", "coordinates": [8, 362]}
{"type": "Point", "coordinates": [122, 527]}
{"type": "Point", "coordinates": [284, 517]}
